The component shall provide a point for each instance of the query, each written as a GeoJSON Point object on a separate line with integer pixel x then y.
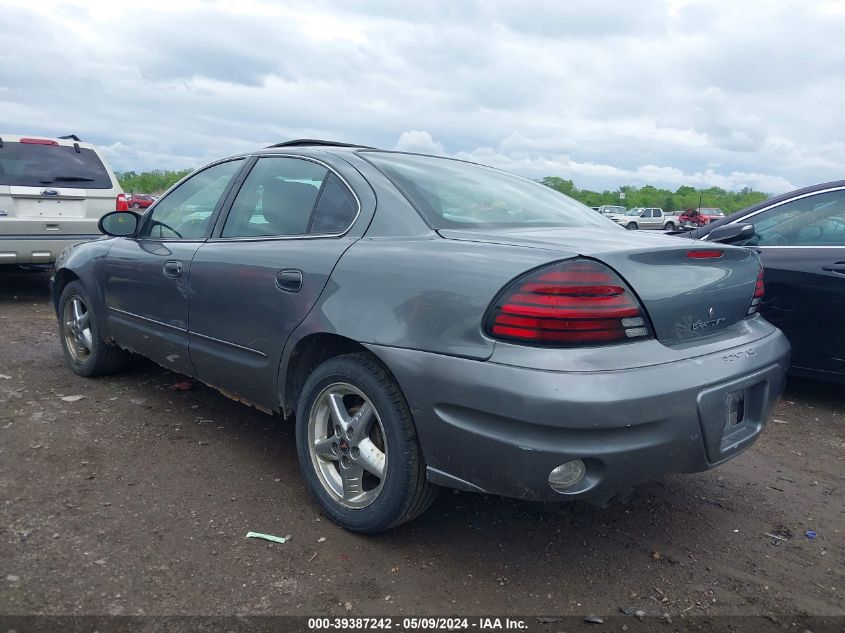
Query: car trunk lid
{"type": "Point", "coordinates": [686, 296]}
{"type": "Point", "coordinates": [46, 202]}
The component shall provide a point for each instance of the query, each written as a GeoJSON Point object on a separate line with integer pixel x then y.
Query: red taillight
{"type": "Point", "coordinates": [38, 141]}
{"type": "Point", "coordinates": [120, 204]}
{"type": "Point", "coordinates": [703, 254]}
{"type": "Point", "coordinates": [578, 302]}
{"type": "Point", "coordinates": [759, 291]}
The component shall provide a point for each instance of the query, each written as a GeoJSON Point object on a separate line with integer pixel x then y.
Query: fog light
{"type": "Point", "coordinates": [567, 475]}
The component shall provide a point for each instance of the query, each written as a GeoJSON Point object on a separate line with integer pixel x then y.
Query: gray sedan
{"type": "Point", "coordinates": [428, 322]}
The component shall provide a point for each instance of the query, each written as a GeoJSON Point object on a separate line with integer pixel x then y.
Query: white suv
{"type": "Point", "coordinates": [53, 191]}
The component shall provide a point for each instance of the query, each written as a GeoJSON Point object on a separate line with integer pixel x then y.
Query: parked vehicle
{"type": "Point", "coordinates": [801, 239]}
{"type": "Point", "coordinates": [691, 219]}
{"type": "Point", "coordinates": [53, 191]}
{"type": "Point", "coordinates": [430, 322]}
{"type": "Point", "coordinates": [611, 209]}
{"type": "Point", "coordinates": [646, 218]}
{"type": "Point", "coordinates": [140, 200]}
{"type": "Point", "coordinates": [711, 214]}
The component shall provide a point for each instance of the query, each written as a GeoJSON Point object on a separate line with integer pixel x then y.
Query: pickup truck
{"type": "Point", "coordinates": [646, 218]}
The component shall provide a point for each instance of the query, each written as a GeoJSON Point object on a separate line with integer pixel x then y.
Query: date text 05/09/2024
{"type": "Point", "coordinates": [417, 624]}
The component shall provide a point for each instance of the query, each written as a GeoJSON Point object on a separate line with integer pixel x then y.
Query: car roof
{"type": "Point", "coordinates": [310, 142]}
{"type": "Point", "coordinates": [69, 140]}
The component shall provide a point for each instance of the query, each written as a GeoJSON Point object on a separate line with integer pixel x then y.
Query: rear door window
{"type": "Point", "coordinates": [36, 165]}
{"type": "Point", "coordinates": [289, 197]}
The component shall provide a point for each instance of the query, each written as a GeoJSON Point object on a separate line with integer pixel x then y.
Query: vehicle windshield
{"type": "Point", "coordinates": [35, 165]}
{"type": "Point", "coordinates": [635, 211]}
{"type": "Point", "coordinates": [455, 194]}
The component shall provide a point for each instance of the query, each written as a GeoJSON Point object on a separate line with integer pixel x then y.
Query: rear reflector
{"type": "Point", "coordinates": [38, 141]}
{"type": "Point", "coordinates": [578, 302]}
{"type": "Point", "coordinates": [120, 203]}
{"type": "Point", "coordinates": [704, 254]}
{"type": "Point", "coordinates": [759, 291]}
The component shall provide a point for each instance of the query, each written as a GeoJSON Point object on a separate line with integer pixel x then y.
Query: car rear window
{"type": "Point", "coordinates": [31, 165]}
{"type": "Point", "coordinates": [455, 194]}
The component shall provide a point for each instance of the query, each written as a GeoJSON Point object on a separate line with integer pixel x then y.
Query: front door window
{"type": "Point", "coordinates": [186, 212]}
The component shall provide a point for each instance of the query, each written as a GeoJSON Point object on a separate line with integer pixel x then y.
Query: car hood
{"type": "Point", "coordinates": [686, 297]}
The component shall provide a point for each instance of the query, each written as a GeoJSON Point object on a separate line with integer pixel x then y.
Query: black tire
{"type": "Point", "coordinates": [102, 358]}
{"type": "Point", "coordinates": [135, 205]}
{"type": "Point", "coordinates": [670, 226]}
{"type": "Point", "coordinates": [405, 492]}
{"type": "Point", "coordinates": [631, 226]}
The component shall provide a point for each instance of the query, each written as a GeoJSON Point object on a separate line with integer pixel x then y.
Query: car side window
{"type": "Point", "coordinates": [817, 220]}
{"type": "Point", "coordinates": [288, 197]}
{"type": "Point", "coordinates": [336, 209]}
{"type": "Point", "coordinates": [186, 212]}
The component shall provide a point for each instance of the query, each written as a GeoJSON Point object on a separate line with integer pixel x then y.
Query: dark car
{"type": "Point", "coordinates": [140, 200]}
{"type": "Point", "coordinates": [801, 239]}
{"type": "Point", "coordinates": [431, 322]}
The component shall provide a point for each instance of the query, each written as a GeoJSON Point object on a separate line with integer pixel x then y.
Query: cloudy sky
{"type": "Point", "coordinates": [728, 93]}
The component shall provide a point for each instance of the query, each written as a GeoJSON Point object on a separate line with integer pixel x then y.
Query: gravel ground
{"type": "Point", "coordinates": [135, 499]}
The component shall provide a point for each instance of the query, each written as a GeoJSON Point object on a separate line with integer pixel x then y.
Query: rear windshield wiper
{"type": "Point", "coordinates": [67, 179]}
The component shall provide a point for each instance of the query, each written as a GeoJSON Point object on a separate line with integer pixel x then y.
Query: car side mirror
{"type": "Point", "coordinates": [119, 224]}
{"type": "Point", "coordinates": [729, 233]}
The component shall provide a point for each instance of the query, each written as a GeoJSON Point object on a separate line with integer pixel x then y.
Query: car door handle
{"type": "Point", "coordinates": [289, 280]}
{"type": "Point", "coordinates": [838, 267]}
{"type": "Point", "coordinates": [173, 269]}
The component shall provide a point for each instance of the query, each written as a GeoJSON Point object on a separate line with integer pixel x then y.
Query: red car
{"type": "Point", "coordinates": [140, 200]}
{"type": "Point", "coordinates": [712, 214]}
{"type": "Point", "coordinates": [695, 218]}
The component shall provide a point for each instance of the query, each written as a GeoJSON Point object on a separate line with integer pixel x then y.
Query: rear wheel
{"type": "Point", "coordinates": [85, 352]}
{"type": "Point", "coordinates": [357, 446]}
{"type": "Point", "coordinates": [135, 205]}
{"type": "Point", "coordinates": [631, 226]}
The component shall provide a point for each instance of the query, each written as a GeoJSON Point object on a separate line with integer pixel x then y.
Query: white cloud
{"type": "Point", "coordinates": [671, 92]}
{"type": "Point", "coordinates": [418, 141]}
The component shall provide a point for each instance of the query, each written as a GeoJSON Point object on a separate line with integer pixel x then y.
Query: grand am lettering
{"type": "Point", "coordinates": [705, 325]}
{"type": "Point", "coordinates": [742, 354]}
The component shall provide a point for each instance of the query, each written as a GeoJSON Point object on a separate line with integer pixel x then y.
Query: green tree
{"type": "Point", "coordinates": [559, 184]}
{"type": "Point", "coordinates": [153, 182]}
{"type": "Point", "coordinates": [684, 197]}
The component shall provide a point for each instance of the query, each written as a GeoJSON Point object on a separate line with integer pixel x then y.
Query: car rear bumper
{"type": "Point", "coordinates": [502, 429]}
{"type": "Point", "coordinates": [38, 248]}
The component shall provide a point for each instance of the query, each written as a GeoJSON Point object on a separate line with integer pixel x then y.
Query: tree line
{"type": "Point", "coordinates": [159, 180]}
{"type": "Point", "coordinates": [648, 196]}
{"type": "Point", "coordinates": [152, 182]}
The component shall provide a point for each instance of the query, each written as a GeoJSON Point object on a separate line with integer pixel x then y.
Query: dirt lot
{"type": "Point", "coordinates": [136, 498]}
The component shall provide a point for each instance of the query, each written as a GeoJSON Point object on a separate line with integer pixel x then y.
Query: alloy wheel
{"type": "Point", "coordinates": [77, 329]}
{"type": "Point", "coordinates": [347, 444]}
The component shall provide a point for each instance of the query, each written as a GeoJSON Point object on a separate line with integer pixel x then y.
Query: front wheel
{"type": "Point", "coordinates": [85, 352]}
{"type": "Point", "coordinates": [357, 446]}
{"type": "Point", "coordinates": [670, 226]}
{"type": "Point", "coordinates": [631, 226]}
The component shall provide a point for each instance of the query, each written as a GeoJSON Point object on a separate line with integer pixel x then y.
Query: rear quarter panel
{"type": "Point", "coordinates": [426, 294]}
